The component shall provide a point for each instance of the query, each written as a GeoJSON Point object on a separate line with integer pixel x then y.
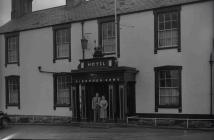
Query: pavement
{"type": "Point", "coordinates": [114, 133]}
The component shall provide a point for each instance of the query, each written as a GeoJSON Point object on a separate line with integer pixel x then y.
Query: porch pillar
{"type": "Point", "coordinates": [122, 101]}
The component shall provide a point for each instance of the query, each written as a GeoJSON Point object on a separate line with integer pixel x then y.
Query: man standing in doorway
{"type": "Point", "coordinates": [96, 106]}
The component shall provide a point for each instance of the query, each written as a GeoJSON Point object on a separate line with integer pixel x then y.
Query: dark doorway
{"type": "Point", "coordinates": [121, 100]}
{"type": "Point", "coordinates": [91, 90]}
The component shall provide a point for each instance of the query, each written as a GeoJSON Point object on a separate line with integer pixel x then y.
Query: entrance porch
{"type": "Point", "coordinates": [103, 76]}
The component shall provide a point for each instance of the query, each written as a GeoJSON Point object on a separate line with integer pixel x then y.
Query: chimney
{"type": "Point", "coordinates": [73, 3]}
{"type": "Point", "coordinates": [20, 8]}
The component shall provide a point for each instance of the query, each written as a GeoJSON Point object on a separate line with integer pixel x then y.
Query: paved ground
{"type": "Point", "coordinates": [77, 133]}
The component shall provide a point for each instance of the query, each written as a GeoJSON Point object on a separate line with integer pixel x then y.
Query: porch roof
{"type": "Point", "coordinates": [114, 74]}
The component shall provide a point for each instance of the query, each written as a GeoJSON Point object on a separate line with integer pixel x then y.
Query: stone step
{"type": "Point", "coordinates": [101, 125]}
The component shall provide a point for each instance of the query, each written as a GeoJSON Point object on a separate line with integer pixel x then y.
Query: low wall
{"type": "Point", "coordinates": [16, 119]}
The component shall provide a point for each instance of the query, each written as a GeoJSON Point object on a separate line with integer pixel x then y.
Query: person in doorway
{"type": "Point", "coordinates": [96, 106]}
{"type": "Point", "coordinates": [103, 109]}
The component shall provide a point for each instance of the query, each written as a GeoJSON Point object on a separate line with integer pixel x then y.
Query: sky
{"type": "Point", "coordinates": [5, 7]}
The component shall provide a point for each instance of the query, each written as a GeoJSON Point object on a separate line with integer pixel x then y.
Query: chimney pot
{"type": "Point", "coordinates": [73, 3]}
{"type": "Point", "coordinates": [20, 8]}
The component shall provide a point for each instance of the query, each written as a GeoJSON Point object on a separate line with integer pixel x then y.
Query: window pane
{"type": "Point", "coordinates": [174, 24]}
{"type": "Point", "coordinates": [12, 50]}
{"type": "Point", "coordinates": [109, 45]}
{"type": "Point", "coordinates": [63, 90]}
{"type": "Point", "coordinates": [105, 29]}
{"type": "Point", "coordinates": [175, 83]}
{"type": "Point", "coordinates": [162, 74]}
{"type": "Point", "coordinates": [13, 89]}
{"type": "Point", "coordinates": [168, 74]}
{"type": "Point", "coordinates": [62, 43]}
{"type": "Point", "coordinates": [174, 74]}
{"type": "Point", "coordinates": [108, 37]}
{"type": "Point", "coordinates": [169, 87]}
{"type": "Point", "coordinates": [168, 38]}
{"type": "Point", "coordinates": [168, 83]}
{"type": "Point", "coordinates": [110, 30]}
{"type": "Point", "coordinates": [169, 97]}
{"type": "Point", "coordinates": [168, 29]}
{"type": "Point", "coordinates": [167, 17]}
{"type": "Point", "coordinates": [161, 38]}
{"type": "Point", "coordinates": [161, 26]}
{"type": "Point", "coordinates": [168, 25]}
{"type": "Point", "coordinates": [161, 18]}
{"type": "Point", "coordinates": [174, 16]}
{"type": "Point", "coordinates": [162, 83]}
{"type": "Point", "coordinates": [175, 37]}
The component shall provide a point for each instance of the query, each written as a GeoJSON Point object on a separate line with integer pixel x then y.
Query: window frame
{"type": "Point", "coordinates": [156, 29]}
{"type": "Point", "coordinates": [55, 76]}
{"type": "Point", "coordinates": [164, 68]}
{"type": "Point", "coordinates": [7, 78]}
{"type": "Point", "coordinates": [100, 34]}
{"type": "Point", "coordinates": [7, 37]}
{"type": "Point", "coordinates": [55, 29]}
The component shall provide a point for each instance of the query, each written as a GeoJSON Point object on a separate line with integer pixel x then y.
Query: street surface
{"type": "Point", "coordinates": [77, 133]}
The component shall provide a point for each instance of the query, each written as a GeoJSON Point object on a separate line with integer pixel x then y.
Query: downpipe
{"type": "Point", "coordinates": [211, 87]}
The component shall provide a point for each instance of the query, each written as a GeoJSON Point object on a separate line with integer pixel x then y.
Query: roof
{"type": "Point", "coordinates": [87, 10]}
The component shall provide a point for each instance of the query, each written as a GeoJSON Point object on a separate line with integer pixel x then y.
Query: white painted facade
{"type": "Point", "coordinates": [136, 49]}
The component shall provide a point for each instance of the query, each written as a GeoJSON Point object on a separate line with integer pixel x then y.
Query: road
{"type": "Point", "coordinates": [77, 133]}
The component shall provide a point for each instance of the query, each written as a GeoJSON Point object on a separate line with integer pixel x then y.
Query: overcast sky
{"type": "Point", "coordinates": [5, 7]}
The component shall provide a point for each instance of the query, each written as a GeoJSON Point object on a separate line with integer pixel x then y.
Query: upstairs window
{"type": "Point", "coordinates": [12, 91]}
{"type": "Point", "coordinates": [168, 87]}
{"type": "Point", "coordinates": [62, 91]}
{"type": "Point", "coordinates": [62, 42]}
{"type": "Point", "coordinates": [107, 36]}
{"type": "Point", "coordinates": [12, 49]}
{"type": "Point", "coordinates": [167, 28]}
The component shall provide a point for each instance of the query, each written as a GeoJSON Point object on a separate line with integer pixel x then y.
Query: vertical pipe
{"type": "Point", "coordinates": [212, 67]}
{"type": "Point", "coordinates": [116, 25]}
{"type": "Point", "coordinates": [211, 90]}
{"type": "Point", "coordinates": [83, 51]}
{"type": "Point", "coordinates": [187, 123]}
{"type": "Point", "coordinates": [80, 100]}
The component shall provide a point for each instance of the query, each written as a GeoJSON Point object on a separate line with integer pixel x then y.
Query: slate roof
{"type": "Point", "coordinates": [86, 10]}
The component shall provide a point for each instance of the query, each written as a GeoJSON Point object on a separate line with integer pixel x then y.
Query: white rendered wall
{"type": "Point", "coordinates": [36, 49]}
{"type": "Point", "coordinates": [137, 50]}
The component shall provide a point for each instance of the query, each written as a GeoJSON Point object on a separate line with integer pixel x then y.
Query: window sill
{"type": "Point", "coordinates": [169, 107]}
{"type": "Point", "coordinates": [62, 106]}
{"type": "Point", "coordinates": [165, 48]}
{"type": "Point", "coordinates": [168, 48]}
{"type": "Point", "coordinates": [109, 53]}
{"type": "Point", "coordinates": [13, 105]}
{"type": "Point", "coordinates": [12, 63]}
{"type": "Point", "coordinates": [62, 58]}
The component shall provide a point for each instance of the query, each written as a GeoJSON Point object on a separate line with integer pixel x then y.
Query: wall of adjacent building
{"type": "Point", "coordinates": [137, 50]}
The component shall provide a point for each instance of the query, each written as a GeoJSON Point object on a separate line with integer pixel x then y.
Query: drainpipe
{"type": "Point", "coordinates": [212, 80]}
{"type": "Point", "coordinates": [83, 50]}
{"type": "Point", "coordinates": [211, 67]}
{"type": "Point", "coordinates": [211, 86]}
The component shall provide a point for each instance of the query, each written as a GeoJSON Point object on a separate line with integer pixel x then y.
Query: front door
{"type": "Point", "coordinates": [114, 93]}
